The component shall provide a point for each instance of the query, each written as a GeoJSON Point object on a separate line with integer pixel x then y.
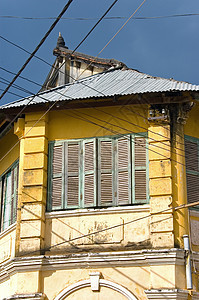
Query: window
{"type": "Point", "coordinates": [97, 172]}
{"type": "Point", "coordinates": [9, 196]}
{"type": "Point", "coordinates": [192, 168]}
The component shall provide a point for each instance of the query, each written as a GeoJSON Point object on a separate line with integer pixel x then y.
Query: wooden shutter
{"type": "Point", "coordinates": [1, 202]}
{"type": "Point", "coordinates": [123, 171]}
{"type": "Point", "coordinates": [140, 184]}
{"type": "Point", "coordinates": [56, 190]}
{"type": "Point", "coordinates": [89, 173]}
{"type": "Point", "coordinates": [72, 174]}
{"type": "Point", "coordinates": [6, 218]}
{"type": "Point", "coordinates": [105, 165]}
{"type": "Point", "coordinates": [13, 194]}
{"type": "Point", "coordinates": [192, 172]}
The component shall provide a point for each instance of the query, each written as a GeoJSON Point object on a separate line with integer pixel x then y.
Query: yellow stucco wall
{"type": "Point", "coordinates": [91, 122]}
{"type": "Point", "coordinates": [192, 124]}
{"type": "Point", "coordinates": [8, 156]}
{"type": "Point", "coordinates": [84, 123]}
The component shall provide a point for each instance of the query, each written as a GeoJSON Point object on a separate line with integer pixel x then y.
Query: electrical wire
{"type": "Point", "coordinates": [107, 18]}
{"type": "Point", "coordinates": [49, 31]}
{"type": "Point", "coordinates": [122, 26]}
{"type": "Point", "coordinates": [38, 46]}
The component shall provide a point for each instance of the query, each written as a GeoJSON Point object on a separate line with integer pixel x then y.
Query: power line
{"type": "Point", "coordinates": [38, 46]}
{"type": "Point", "coordinates": [106, 18]}
{"type": "Point", "coordinates": [106, 45]}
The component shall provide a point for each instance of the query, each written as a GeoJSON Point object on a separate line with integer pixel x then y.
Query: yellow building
{"type": "Point", "coordinates": [94, 177]}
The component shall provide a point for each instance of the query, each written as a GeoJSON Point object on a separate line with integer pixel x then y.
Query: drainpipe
{"type": "Point", "coordinates": [188, 262]}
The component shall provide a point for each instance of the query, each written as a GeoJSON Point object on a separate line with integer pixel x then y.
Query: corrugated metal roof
{"type": "Point", "coordinates": [113, 82]}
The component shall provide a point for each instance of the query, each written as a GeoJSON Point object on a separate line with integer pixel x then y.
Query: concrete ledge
{"type": "Point", "coordinates": [37, 296]}
{"type": "Point", "coordinates": [167, 294]}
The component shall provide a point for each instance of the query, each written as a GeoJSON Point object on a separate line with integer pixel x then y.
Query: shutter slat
{"type": "Point", "coordinates": [140, 186]}
{"type": "Point", "coordinates": [123, 172]}
{"type": "Point", "coordinates": [72, 175]}
{"type": "Point", "coordinates": [191, 155]}
{"type": "Point", "coordinates": [89, 189]}
{"type": "Point", "coordinates": [106, 155]}
{"type": "Point", "coordinates": [56, 193]}
{"type": "Point", "coordinates": [192, 188]}
{"type": "Point", "coordinates": [57, 180]}
{"type": "Point", "coordinates": [73, 158]}
{"type": "Point", "coordinates": [89, 156]}
{"type": "Point", "coordinates": [105, 172]}
{"type": "Point", "coordinates": [12, 204]}
{"type": "Point", "coordinates": [106, 189]}
{"type": "Point", "coordinates": [140, 151]}
{"type": "Point", "coordinates": [73, 191]}
{"type": "Point", "coordinates": [89, 173]}
{"type": "Point", "coordinates": [57, 159]}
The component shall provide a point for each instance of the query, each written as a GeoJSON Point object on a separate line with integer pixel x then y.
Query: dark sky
{"type": "Point", "coordinates": [165, 47]}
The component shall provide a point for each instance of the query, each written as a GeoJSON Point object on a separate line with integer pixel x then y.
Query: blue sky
{"type": "Point", "coordinates": [161, 47]}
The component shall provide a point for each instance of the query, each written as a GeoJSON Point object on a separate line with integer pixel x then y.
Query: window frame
{"type": "Point", "coordinates": [188, 171]}
{"type": "Point", "coordinates": [97, 203]}
{"type": "Point", "coordinates": [12, 211]}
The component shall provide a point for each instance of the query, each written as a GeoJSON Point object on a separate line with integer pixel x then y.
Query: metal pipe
{"type": "Point", "coordinates": [188, 262]}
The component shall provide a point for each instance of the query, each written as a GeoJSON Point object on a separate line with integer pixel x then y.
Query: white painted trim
{"type": "Point", "coordinates": [8, 230]}
{"type": "Point", "coordinates": [195, 295]}
{"type": "Point", "coordinates": [194, 213]}
{"type": "Point", "coordinates": [91, 260]}
{"type": "Point", "coordinates": [172, 294]}
{"type": "Point", "coordinates": [86, 283]}
{"type": "Point", "coordinates": [98, 211]}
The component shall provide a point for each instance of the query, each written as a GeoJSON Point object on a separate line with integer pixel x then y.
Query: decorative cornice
{"type": "Point", "coordinates": [98, 211]}
{"type": "Point", "coordinates": [37, 296]}
{"type": "Point", "coordinates": [167, 294]}
{"type": "Point", "coordinates": [92, 260]}
{"type": "Point", "coordinates": [8, 230]}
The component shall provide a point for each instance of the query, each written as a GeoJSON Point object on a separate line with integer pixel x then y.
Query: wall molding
{"type": "Point", "coordinates": [102, 282]}
{"type": "Point", "coordinates": [37, 296]}
{"type": "Point", "coordinates": [8, 230]}
{"type": "Point", "coordinates": [98, 211]}
{"type": "Point", "coordinates": [173, 294]}
{"type": "Point", "coordinates": [91, 260]}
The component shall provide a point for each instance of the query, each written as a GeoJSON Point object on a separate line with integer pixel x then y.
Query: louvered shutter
{"type": "Point", "coordinates": [89, 173]}
{"type": "Point", "coordinates": [1, 200]}
{"type": "Point", "coordinates": [105, 172]}
{"type": "Point", "coordinates": [73, 174]}
{"type": "Point", "coordinates": [192, 170]}
{"type": "Point", "coordinates": [140, 172]}
{"type": "Point", "coordinates": [6, 219]}
{"type": "Point", "coordinates": [57, 177]}
{"type": "Point", "coordinates": [123, 171]}
{"type": "Point", "coordinates": [13, 194]}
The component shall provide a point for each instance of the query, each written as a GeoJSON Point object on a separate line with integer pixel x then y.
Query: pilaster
{"type": "Point", "coordinates": [160, 180]}
{"type": "Point", "coordinates": [31, 218]}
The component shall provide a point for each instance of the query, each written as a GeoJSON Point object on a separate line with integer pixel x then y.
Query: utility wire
{"type": "Point", "coordinates": [38, 46]}
{"type": "Point", "coordinates": [46, 35]}
{"type": "Point", "coordinates": [107, 18]}
{"type": "Point", "coordinates": [109, 41]}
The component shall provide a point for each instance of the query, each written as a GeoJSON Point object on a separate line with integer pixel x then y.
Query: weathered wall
{"type": "Point", "coordinates": [91, 122]}
{"type": "Point", "coordinates": [9, 150]}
